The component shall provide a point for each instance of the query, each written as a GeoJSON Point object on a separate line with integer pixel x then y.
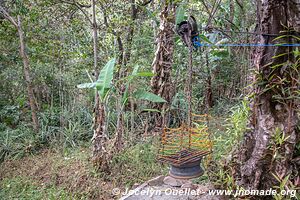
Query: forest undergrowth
{"type": "Point", "coordinates": [63, 170]}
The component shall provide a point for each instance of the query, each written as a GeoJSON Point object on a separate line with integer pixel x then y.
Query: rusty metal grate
{"type": "Point", "coordinates": [183, 145]}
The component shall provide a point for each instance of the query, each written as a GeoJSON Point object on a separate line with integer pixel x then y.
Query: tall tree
{"type": "Point", "coordinates": [26, 65]}
{"type": "Point", "coordinates": [99, 138]}
{"type": "Point", "coordinates": [163, 60]}
{"type": "Point", "coordinates": [262, 156]}
{"type": "Point", "coordinates": [124, 72]}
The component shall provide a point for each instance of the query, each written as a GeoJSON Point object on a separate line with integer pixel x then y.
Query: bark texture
{"type": "Point", "coordinates": [162, 64]}
{"type": "Point", "coordinates": [99, 140]}
{"type": "Point", "coordinates": [271, 108]}
{"type": "Point", "coordinates": [123, 73]}
{"type": "Point", "coordinates": [26, 66]}
{"type": "Point", "coordinates": [27, 76]}
{"type": "Point", "coordinates": [129, 38]}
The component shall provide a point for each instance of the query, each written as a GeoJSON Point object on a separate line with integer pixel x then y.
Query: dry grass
{"type": "Point", "coordinates": [72, 173]}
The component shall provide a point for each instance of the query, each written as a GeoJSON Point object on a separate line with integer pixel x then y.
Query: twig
{"type": "Point", "coordinates": [8, 17]}
{"type": "Point", "coordinates": [79, 6]}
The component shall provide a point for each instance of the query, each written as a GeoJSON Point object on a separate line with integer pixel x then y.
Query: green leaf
{"type": "Point", "coordinates": [135, 70]}
{"type": "Point", "coordinates": [204, 38]}
{"type": "Point", "coordinates": [285, 36]}
{"type": "Point", "coordinates": [150, 14]}
{"type": "Point", "coordinates": [105, 78]}
{"type": "Point", "coordinates": [86, 85]}
{"type": "Point", "coordinates": [278, 65]}
{"type": "Point", "coordinates": [222, 53]}
{"type": "Point", "coordinates": [144, 95]}
{"type": "Point", "coordinates": [145, 74]}
{"type": "Point", "coordinates": [296, 52]}
{"type": "Point", "coordinates": [284, 181]}
{"type": "Point", "coordinates": [130, 78]}
{"type": "Point", "coordinates": [151, 110]}
{"type": "Point", "coordinates": [180, 13]}
{"type": "Point", "coordinates": [280, 55]}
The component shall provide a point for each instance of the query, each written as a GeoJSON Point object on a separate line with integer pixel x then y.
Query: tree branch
{"type": "Point", "coordinates": [8, 17]}
{"type": "Point", "coordinates": [240, 4]}
{"type": "Point", "coordinates": [79, 6]}
{"type": "Point", "coordinates": [208, 11]}
{"type": "Point", "coordinates": [214, 10]}
{"type": "Point", "coordinates": [105, 20]}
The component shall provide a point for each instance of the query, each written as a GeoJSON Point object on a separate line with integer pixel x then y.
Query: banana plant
{"type": "Point", "coordinates": [140, 93]}
{"type": "Point", "coordinates": [104, 84]}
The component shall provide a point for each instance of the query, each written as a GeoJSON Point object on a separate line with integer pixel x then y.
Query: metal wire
{"type": "Point", "coordinates": [249, 45]}
{"type": "Point", "coordinates": [185, 144]}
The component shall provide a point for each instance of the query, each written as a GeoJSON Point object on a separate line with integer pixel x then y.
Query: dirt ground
{"type": "Point", "coordinates": [73, 174]}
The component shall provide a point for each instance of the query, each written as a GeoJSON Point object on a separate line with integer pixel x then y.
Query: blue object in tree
{"type": "Point", "coordinates": [196, 41]}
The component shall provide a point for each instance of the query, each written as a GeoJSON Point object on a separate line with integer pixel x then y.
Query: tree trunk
{"type": "Point", "coordinates": [95, 38]}
{"type": "Point", "coordinates": [27, 76]}
{"type": "Point", "coordinates": [231, 14]}
{"type": "Point", "coordinates": [134, 12]}
{"type": "Point", "coordinates": [162, 64]}
{"type": "Point", "coordinates": [273, 107]}
{"type": "Point", "coordinates": [99, 139]}
{"type": "Point", "coordinates": [208, 89]}
{"type": "Point", "coordinates": [208, 94]}
{"type": "Point", "coordinates": [123, 73]}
